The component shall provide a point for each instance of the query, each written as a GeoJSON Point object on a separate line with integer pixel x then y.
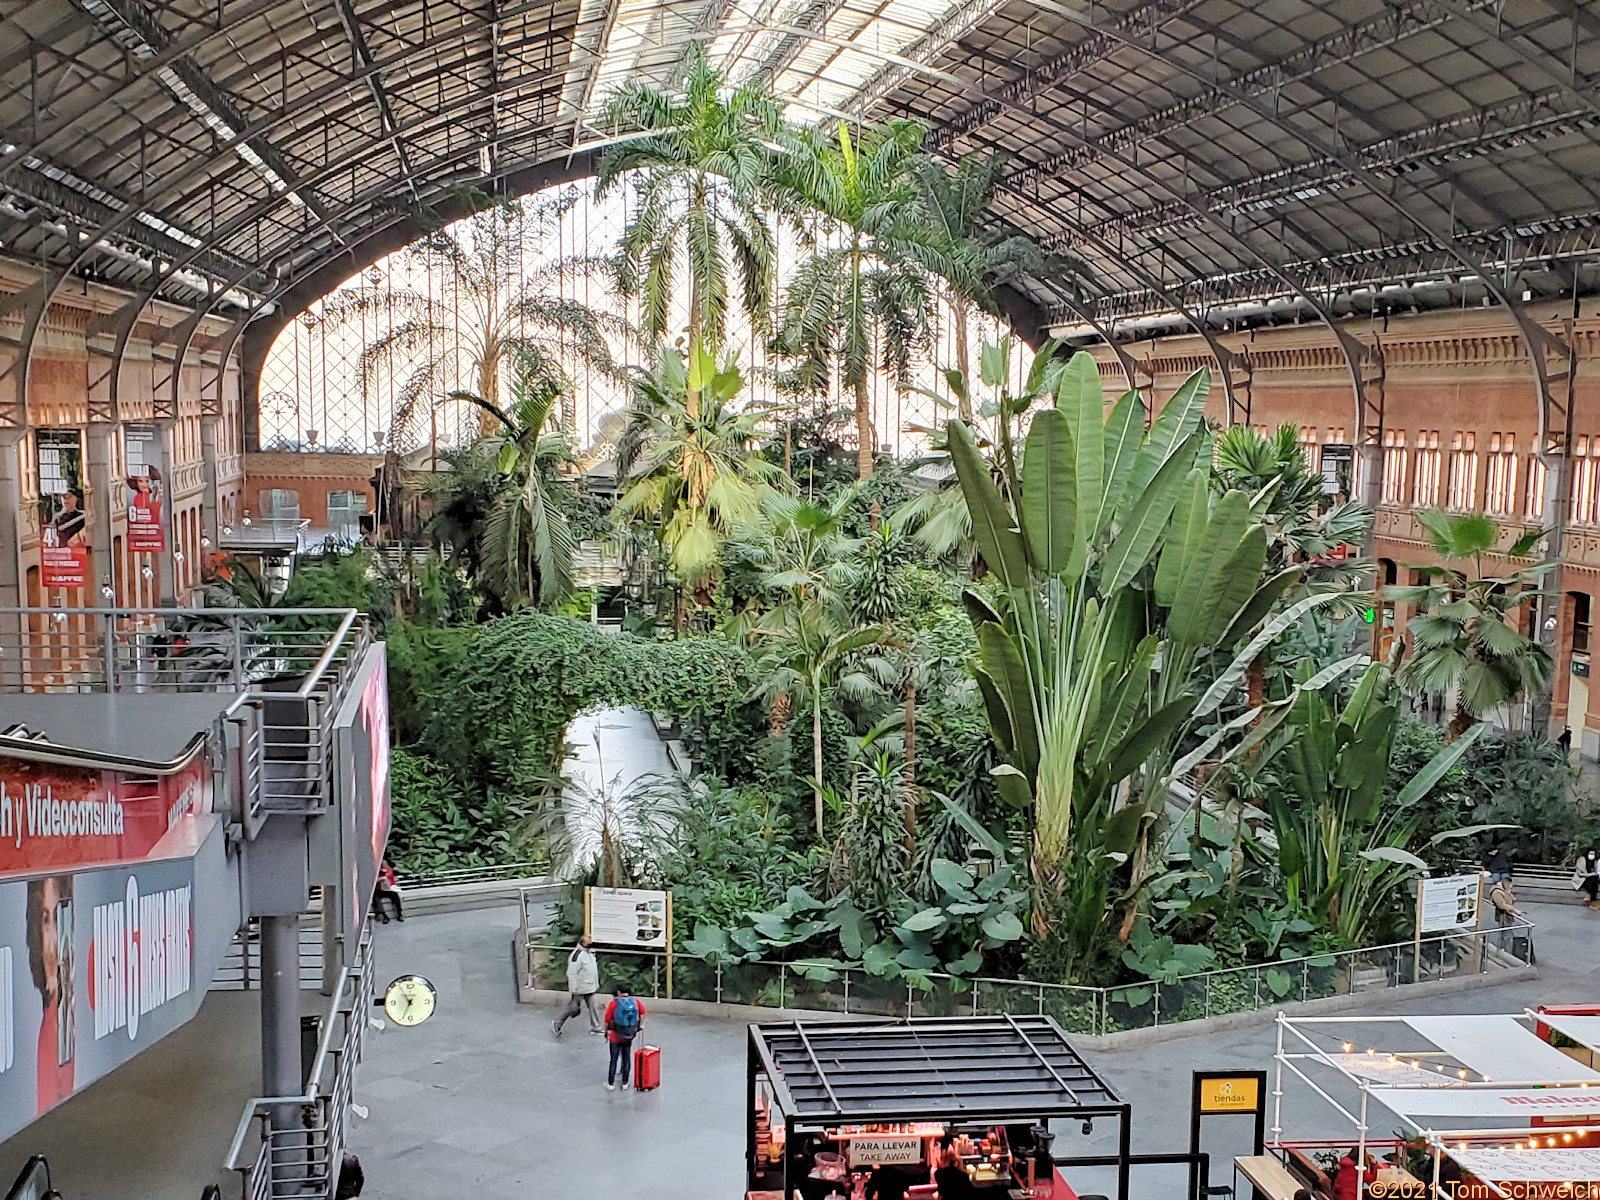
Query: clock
{"type": "Point", "coordinates": [409, 1000]}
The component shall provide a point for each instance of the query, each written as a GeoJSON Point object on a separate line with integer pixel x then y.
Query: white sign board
{"type": "Point", "coordinates": [877, 1149]}
{"type": "Point", "coordinates": [1448, 903]}
{"type": "Point", "coordinates": [628, 917]}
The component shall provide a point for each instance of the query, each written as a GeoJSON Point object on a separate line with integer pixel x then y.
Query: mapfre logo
{"type": "Point", "coordinates": [142, 956]}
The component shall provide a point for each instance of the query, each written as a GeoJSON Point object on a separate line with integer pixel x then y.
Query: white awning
{"type": "Point", "coordinates": [1506, 1107]}
{"type": "Point", "coordinates": [1503, 1047]}
{"type": "Point", "coordinates": [1530, 1166]}
{"type": "Point", "coordinates": [1580, 1029]}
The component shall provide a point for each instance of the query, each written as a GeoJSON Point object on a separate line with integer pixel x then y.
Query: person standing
{"type": "Point", "coordinates": [1506, 911]}
{"type": "Point", "coordinates": [624, 1019]}
{"type": "Point", "coordinates": [1498, 864]}
{"type": "Point", "coordinates": [952, 1179]}
{"type": "Point", "coordinates": [1565, 740]}
{"type": "Point", "coordinates": [583, 982]}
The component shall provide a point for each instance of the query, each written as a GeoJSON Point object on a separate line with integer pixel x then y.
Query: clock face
{"type": "Point", "coordinates": [409, 1000]}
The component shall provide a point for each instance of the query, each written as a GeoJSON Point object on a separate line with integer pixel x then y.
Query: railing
{"type": "Point", "coordinates": [1085, 1010]}
{"type": "Point", "coordinates": [279, 1160]}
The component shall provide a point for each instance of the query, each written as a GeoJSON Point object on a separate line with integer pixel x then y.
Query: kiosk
{"type": "Point", "coordinates": [827, 1102]}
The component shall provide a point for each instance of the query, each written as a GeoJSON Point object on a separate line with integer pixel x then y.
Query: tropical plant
{"type": "Point", "coordinates": [1467, 643]}
{"type": "Point", "coordinates": [1291, 499]}
{"type": "Point", "coordinates": [501, 310]}
{"type": "Point", "coordinates": [872, 857]}
{"type": "Point", "coordinates": [799, 549]}
{"type": "Point", "coordinates": [1342, 840]}
{"type": "Point", "coordinates": [700, 161]}
{"type": "Point", "coordinates": [526, 545]}
{"type": "Point", "coordinates": [613, 831]}
{"type": "Point", "coordinates": [1117, 575]}
{"type": "Point", "coordinates": [864, 301]}
{"type": "Point", "coordinates": [808, 651]}
{"type": "Point", "coordinates": [968, 259]}
{"type": "Point", "coordinates": [692, 470]}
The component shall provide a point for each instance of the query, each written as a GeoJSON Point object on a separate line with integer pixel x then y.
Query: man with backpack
{"type": "Point", "coordinates": [624, 1016]}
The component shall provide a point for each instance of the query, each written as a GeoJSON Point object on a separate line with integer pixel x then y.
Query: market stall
{"type": "Point", "coordinates": [1487, 1100]}
{"type": "Point", "coordinates": [829, 1103]}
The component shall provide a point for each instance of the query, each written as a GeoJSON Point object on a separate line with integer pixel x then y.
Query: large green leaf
{"type": "Point", "coordinates": [1002, 662]}
{"type": "Point", "coordinates": [1228, 593]}
{"type": "Point", "coordinates": [1203, 564]}
{"type": "Point", "coordinates": [999, 715]}
{"type": "Point", "coordinates": [1049, 492]}
{"type": "Point", "coordinates": [1437, 767]}
{"type": "Point", "coordinates": [921, 922]}
{"type": "Point", "coordinates": [1266, 596]}
{"type": "Point", "coordinates": [1124, 437]}
{"type": "Point", "coordinates": [1081, 397]}
{"type": "Point", "coordinates": [952, 877]}
{"type": "Point", "coordinates": [1188, 526]}
{"type": "Point", "coordinates": [1147, 520]}
{"type": "Point", "coordinates": [1234, 672]}
{"type": "Point", "coordinates": [998, 539]}
{"type": "Point", "coordinates": [1142, 742]}
{"type": "Point", "coordinates": [1003, 927]}
{"type": "Point", "coordinates": [1172, 426]}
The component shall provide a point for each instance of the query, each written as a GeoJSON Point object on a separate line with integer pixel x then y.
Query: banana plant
{"type": "Point", "coordinates": [1341, 841]}
{"type": "Point", "coordinates": [1120, 573]}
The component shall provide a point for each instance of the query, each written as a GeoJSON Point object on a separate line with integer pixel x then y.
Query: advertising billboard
{"type": "Point", "coordinates": [98, 965]}
{"type": "Point", "coordinates": [361, 810]}
{"type": "Point", "coordinates": [63, 816]}
{"type": "Point", "coordinates": [146, 498]}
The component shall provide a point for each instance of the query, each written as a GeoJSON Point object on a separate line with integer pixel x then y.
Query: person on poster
{"type": "Point", "coordinates": [50, 961]}
{"type": "Point", "coordinates": [144, 499]}
{"type": "Point", "coordinates": [70, 521]}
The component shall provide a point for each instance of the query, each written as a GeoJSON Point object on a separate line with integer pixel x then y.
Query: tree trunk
{"type": "Point", "coordinates": [816, 750]}
{"type": "Point", "coordinates": [911, 768]}
{"type": "Point", "coordinates": [1460, 721]}
{"type": "Point", "coordinates": [866, 442]}
{"type": "Point", "coordinates": [788, 449]}
{"type": "Point", "coordinates": [692, 396]}
{"type": "Point", "coordinates": [958, 307]}
{"type": "Point", "coordinates": [489, 389]}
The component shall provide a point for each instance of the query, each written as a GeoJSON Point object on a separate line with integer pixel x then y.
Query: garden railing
{"type": "Point", "coordinates": [1084, 1010]}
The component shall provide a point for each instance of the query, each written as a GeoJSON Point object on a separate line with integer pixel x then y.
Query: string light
{"type": "Point", "coordinates": [1462, 1072]}
{"type": "Point", "coordinates": [1369, 1051]}
{"type": "Point", "coordinates": [1347, 1048]}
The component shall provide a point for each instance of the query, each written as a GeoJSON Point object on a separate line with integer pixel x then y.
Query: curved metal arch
{"type": "Point", "coordinates": [1539, 340]}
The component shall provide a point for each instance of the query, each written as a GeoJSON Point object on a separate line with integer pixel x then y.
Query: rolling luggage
{"type": "Point", "coordinates": [647, 1068]}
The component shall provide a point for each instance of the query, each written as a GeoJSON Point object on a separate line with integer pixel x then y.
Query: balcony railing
{"type": "Point", "coordinates": [292, 1146]}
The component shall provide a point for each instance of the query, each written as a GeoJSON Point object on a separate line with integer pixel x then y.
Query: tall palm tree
{"type": "Point", "coordinates": [969, 256]}
{"type": "Point", "coordinates": [499, 309]}
{"type": "Point", "coordinates": [526, 546]}
{"type": "Point", "coordinates": [864, 301]}
{"type": "Point", "coordinates": [694, 472]}
{"type": "Point", "coordinates": [1466, 641]}
{"type": "Point", "coordinates": [1294, 512]}
{"type": "Point", "coordinates": [703, 158]}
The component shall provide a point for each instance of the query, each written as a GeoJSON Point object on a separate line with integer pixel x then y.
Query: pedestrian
{"type": "Point", "coordinates": [1565, 740]}
{"type": "Point", "coordinates": [351, 1179]}
{"type": "Point", "coordinates": [624, 1019]}
{"type": "Point", "coordinates": [1586, 877]}
{"type": "Point", "coordinates": [1498, 863]}
{"type": "Point", "coordinates": [583, 982]}
{"type": "Point", "coordinates": [1506, 911]}
{"type": "Point", "coordinates": [388, 891]}
{"type": "Point", "coordinates": [951, 1177]}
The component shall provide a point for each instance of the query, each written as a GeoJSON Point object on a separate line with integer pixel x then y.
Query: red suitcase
{"type": "Point", "coordinates": [647, 1068]}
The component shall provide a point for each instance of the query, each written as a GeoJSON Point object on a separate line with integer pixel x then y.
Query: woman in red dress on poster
{"type": "Point", "coordinates": [50, 961]}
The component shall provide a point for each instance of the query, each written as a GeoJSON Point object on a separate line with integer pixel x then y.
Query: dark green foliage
{"type": "Point", "coordinates": [1525, 780]}
{"type": "Point", "coordinates": [439, 824]}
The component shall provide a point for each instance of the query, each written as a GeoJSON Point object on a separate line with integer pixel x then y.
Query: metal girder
{"type": "Point", "coordinates": [380, 98]}
{"type": "Point", "coordinates": [1132, 368]}
{"type": "Point", "coordinates": [1398, 20]}
{"type": "Point", "coordinates": [136, 18]}
{"type": "Point", "coordinates": [948, 32]}
{"type": "Point", "coordinates": [1095, 47]}
{"type": "Point", "coordinates": [1528, 118]}
{"type": "Point", "coordinates": [1538, 340]}
{"type": "Point", "coordinates": [1535, 55]}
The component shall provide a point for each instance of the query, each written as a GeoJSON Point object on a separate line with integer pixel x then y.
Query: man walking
{"type": "Point", "coordinates": [624, 1017]}
{"type": "Point", "coordinates": [583, 981]}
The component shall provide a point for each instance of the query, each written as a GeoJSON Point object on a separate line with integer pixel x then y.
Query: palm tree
{"type": "Point", "coordinates": [526, 546]}
{"type": "Point", "coordinates": [499, 310]}
{"type": "Point", "coordinates": [967, 255]}
{"type": "Point", "coordinates": [800, 549]}
{"type": "Point", "coordinates": [808, 654]}
{"type": "Point", "coordinates": [1465, 638]}
{"type": "Point", "coordinates": [1298, 522]}
{"type": "Point", "coordinates": [703, 157]}
{"type": "Point", "coordinates": [865, 301]}
{"type": "Point", "coordinates": [694, 472]}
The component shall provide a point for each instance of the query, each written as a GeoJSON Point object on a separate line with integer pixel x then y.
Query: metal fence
{"type": "Point", "coordinates": [1085, 1010]}
{"type": "Point", "coordinates": [298, 1153]}
{"type": "Point", "coordinates": [177, 649]}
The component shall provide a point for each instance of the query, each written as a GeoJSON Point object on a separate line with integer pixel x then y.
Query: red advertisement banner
{"type": "Point", "coordinates": [56, 816]}
{"type": "Point", "coordinates": [146, 534]}
{"type": "Point", "coordinates": [64, 566]}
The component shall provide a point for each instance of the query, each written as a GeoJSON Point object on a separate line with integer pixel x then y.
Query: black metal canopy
{"type": "Point", "coordinates": [953, 1069]}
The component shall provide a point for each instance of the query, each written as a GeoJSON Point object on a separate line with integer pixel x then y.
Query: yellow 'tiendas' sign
{"type": "Point", "coordinates": [1242, 1094]}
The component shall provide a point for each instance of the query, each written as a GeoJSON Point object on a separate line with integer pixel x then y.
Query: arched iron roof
{"type": "Point", "coordinates": [1219, 163]}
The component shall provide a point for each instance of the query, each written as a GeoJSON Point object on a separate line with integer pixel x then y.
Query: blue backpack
{"type": "Point", "coordinates": [625, 1018]}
